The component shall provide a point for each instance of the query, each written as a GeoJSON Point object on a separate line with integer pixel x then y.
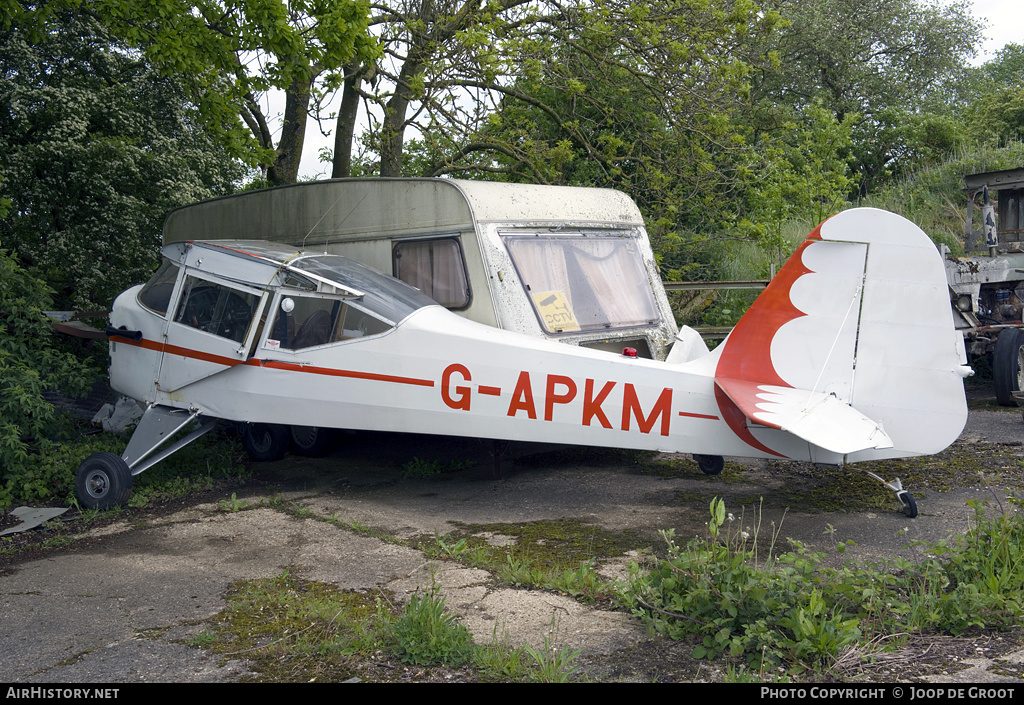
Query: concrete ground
{"type": "Point", "coordinates": [119, 603]}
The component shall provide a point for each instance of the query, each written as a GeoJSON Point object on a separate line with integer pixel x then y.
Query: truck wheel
{"type": "Point", "coordinates": [102, 481]}
{"type": "Point", "coordinates": [264, 442]}
{"type": "Point", "coordinates": [1006, 365]}
{"type": "Point", "coordinates": [312, 441]}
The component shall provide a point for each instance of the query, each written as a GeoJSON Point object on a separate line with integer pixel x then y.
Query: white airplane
{"type": "Point", "coordinates": [826, 366]}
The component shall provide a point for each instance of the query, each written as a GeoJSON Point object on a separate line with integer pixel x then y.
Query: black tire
{"type": "Point", "coordinates": [1006, 365]}
{"type": "Point", "coordinates": [103, 481]}
{"type": "Point", "coordinates": [264, 442]}
{"type": "Point", "coordinates": [710, 464]}
{"type": "Point", "coordinates": [312, 441]}
{"type": "Point", "coordinates": [909, 505]}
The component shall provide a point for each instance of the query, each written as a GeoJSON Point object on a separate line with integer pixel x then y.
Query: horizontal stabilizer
{"type": "Point", "coordinates": [820, 419]}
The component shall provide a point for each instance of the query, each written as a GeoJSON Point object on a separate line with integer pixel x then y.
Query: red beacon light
{"type": "Point", "coordinates": [629, 352]}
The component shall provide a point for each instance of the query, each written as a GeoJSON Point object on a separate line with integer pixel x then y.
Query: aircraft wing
{"type": "Point", "coordinates": [821, 419]}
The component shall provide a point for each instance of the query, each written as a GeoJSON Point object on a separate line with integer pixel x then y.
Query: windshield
{"type": "Point", "coordinates": [384, 295]}
{"type": "Point", "coordinates": [156, 294]}
{"type": "Point", "coordinates": [584, 282]}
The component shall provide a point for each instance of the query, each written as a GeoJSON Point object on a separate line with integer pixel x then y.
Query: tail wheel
{"type": "Point", "coordinates": [264, 442]}
{"type": "Point", "coordinates": [909, 505]}
{"type": "Point", "coordinates": [103, 481]}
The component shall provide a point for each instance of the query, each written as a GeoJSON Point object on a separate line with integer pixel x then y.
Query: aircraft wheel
{"type": "Point", "coordinates": [909, 505]}
{"type": "Point", "coordinates": [103, 481]}
{"type": "Point", "coordinates": [1006, 365]}
{"type": "Point", "coordinates": [710, 464]}
{"type": "Point", "coordinates": [264, 442]}
{"type": "Point", "coordinates": [312, 441]}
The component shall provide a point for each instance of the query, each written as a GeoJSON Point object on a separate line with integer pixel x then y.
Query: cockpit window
{"type": "Point", "coordinates": [582, 282]}
{"type": "Point", "coordinates": [215, 308]}
{"type": "Point", "coordinates": [156, 294]}
{"type": "Point", "coordinates": [308, 321]}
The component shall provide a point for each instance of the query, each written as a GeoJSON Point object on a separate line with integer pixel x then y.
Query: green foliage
{"type": "Point", "coordinates": [31, 362]}
{"type": "Point", "coordinates": [426, 634]}
{"type": "Point", "coordinates": [233, 505]}
{"type": "Point", "coordinates": [95, 148]}
{"type": "Point", "coordinates": [227, 54]}
{"type": "Point", "coordinates": [885, 61]}
{"type": "Point", "coordinates": [418, 468]}
{"type": "Point", "coordinates": [554, 665]}
{"type": "Point", "coordinates": [933, 197]}
{"type": "Point", "coordinates": [294, 630]}
{"type": "Point", "coordinates": [791, 609]}
{"type": "Point", "coordinates": [802, 176]}
{"type": "Point", "coordinates": [551, 555]}
{"type": "Point", "coordinates": [976, 580]}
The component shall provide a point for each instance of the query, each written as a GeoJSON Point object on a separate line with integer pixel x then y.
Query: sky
{"type": "Point", "coordinates": [1004, 20]}
{"type": "Point", "coordinates": [1005, 25]}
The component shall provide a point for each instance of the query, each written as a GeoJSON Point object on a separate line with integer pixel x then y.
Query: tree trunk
{"type": "Point", "coordinates": [289, 148]}
{"type": "Point", "coordinates": [392, 136]}
{"type": "Point", "coordinates": [345, 128]}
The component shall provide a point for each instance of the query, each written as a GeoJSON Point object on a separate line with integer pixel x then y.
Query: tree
{"type": "Point", "coordinates": [456, 69]}
{"type": "Point", "coordinates": [435, 55]}
{"type": "Point", "coordinates": [227, 54]}
{"type": "Point", "coordinates": [95, 148]}
{"type": "Point", "coordinates": [997, 116]}
{"type": "Point", "coordinates": [30, 363]}
{"type": "Point", "coordinates": [887, 62]}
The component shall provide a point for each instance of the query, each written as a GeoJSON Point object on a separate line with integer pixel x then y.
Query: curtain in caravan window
{"type": "Point", "coordinates": [610, 267]}
{"type": "Point", "coordinates": [436, 268]}
{"type": "Point", "coordinates": [541, 265]}
{"type": "Point", "coordinates": [594, 282]}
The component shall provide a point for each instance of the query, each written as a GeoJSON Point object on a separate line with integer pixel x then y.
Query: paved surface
{"type": "Point", "coordinates": [118, 605]}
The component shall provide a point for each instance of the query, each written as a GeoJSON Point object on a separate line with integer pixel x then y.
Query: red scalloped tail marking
{"type": "Point", "coordinates": [748, 354]}
{"type": "Point", "coordinates": [748, 350]}
{"type": "Point", "coordinates": [737, 421]}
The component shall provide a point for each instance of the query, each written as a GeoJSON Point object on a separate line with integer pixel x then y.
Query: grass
{"type": "Point", "coordinates": [292, 630]}
{"type": "Point", "coordinates": [557, 555]}
{"type": "Point", "coordinates": [417, 468]}
{"type": "Point", "coordinates": [730, 592]}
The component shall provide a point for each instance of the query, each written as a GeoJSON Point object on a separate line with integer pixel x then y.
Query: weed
{"type": "Point", "coordinates": [791, 610]}
{"type": "Point", "coordinates": [500, 661]}
{"type": "Point", "coordinates": [357, 526]}
{"type": "Point", "coordinates": [553, 665]}
{"type": "Point", "coordinates": [232, 505]}
{"type": "Point", "coordinates": [417, 468]}
{"type": "Point", "coordinates": [426, 634]}
{"type": "Point", "coordinates": [203, 638]}
{"type": "Point", "coordinates": [60, 541]}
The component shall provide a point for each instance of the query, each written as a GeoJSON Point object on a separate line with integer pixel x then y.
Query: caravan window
{"type": "Point", "coordinates": [584, 282]}
{"type": "Point", "coordinates": [435, 267]}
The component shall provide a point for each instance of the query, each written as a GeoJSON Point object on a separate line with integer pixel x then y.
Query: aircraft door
{"type": "Point", "coordinates": [214, 325]}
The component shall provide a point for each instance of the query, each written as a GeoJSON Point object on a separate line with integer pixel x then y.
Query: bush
{"type": "Point", "coordinates": [792, 610]}
{"type": "Point", "coordinates": [31, 363]}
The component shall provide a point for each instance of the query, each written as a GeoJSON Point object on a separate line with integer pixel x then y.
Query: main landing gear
{"type": "Point", "coordinates": [104, 480]}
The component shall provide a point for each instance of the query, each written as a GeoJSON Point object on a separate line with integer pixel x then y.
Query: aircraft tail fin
{"type": "Point", "coordinates": [851, 347]}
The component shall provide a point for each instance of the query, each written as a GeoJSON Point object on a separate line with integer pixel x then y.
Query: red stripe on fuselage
{"type": "Point", "coordinates": [273, 364]}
